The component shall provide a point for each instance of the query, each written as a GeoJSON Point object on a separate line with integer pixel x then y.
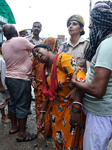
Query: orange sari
{"type": "Point", "coordinates": [37, 75]}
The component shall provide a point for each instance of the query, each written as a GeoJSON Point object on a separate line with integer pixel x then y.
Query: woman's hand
{"type": "Point", "coordinates": [40, 122]}
{"type": "Point", "coordinates": [71, 95]}
{"type": "Point", "coordinates": [76, 95]}
{"type": "Point", "coordinates": [75, 119]}
{"type": "Point", "coordinates": [34, 84]}
{"type": "Point", "coordinates": [2, 90]}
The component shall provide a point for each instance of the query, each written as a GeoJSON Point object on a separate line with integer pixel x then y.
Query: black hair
{"type": "Point", "coordinates": [37, 22]}
{"type": "Point", "coordinates": [9, 32]}
{"type": "Point", "coordinates": [43, 46]}
{"type": "Point", "coordinates": [81, 25]}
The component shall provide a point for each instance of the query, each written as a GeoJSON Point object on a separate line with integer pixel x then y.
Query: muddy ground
{"type": "Point", "coordinates": [8, 142]}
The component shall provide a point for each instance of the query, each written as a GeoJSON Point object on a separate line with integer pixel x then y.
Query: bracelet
{"type": "Point", "coordinates": [76, 107]}
{"type": "Point", "coordinates": [42, 112]}
{"type": "Point", "coordinates": [76, 111]}
{"type": "Point", "coordinates": [33, 79]}
{"type": "Point", "coordinates": [77, 103]}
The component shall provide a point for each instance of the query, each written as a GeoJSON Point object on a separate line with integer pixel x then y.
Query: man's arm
{"type": "Point", "coordinates": [98, 85]}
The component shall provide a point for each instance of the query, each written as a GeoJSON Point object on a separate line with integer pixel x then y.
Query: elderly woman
{"type": "Point", "coordinates": [76, 46]}
{"type": "Point", "coordinates": [55, 89]}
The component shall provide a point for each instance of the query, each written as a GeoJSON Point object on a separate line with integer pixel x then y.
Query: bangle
{"type": "Point", "coordinates": [77, 103]}
{"type": "Point", "coordinates": [76, 111]}
{"type": "Point", "coordinates": [33, 79]}
{"type": "Point", "coordinates": [76, 107]}
{"type": "Point", "coordinates": [42, 112]}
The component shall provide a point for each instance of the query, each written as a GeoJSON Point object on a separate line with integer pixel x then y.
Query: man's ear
{"type": "Point", "coordinates": [16, 33]}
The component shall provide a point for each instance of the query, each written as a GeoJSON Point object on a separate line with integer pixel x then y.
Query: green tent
{"type": "Point", "coordinates": [6, 12]}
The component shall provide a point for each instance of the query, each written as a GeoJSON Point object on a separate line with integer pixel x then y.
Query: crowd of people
{"type": "Point", "coordinates": [72, 82]}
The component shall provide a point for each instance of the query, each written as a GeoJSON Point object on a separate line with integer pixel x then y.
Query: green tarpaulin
{"type": "Point", "coordinates": [5, 11]}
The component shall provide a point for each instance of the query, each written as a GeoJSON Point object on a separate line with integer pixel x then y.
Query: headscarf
{"type": "Point", "coordinates": [51, 42]}
{"type": "Point", "coordinates": [101, 16]}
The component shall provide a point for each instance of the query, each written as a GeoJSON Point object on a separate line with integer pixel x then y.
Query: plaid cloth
{"type": "Point", "coordinates": [101, 16]}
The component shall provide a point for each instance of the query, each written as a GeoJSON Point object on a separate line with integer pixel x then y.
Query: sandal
{"type": "Point", "coordinates": [13, 131]}
{"type": "Point", "coordinates": [28, 137]}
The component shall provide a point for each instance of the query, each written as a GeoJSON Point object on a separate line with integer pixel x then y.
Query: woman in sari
{"type": "Point", "coordinates": [37, 84]}
{"type": "Point", "coordinates": [55, 90]}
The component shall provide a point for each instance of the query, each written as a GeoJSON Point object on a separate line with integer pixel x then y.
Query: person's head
{"type": "Point", "coordinates": [75, 25]}
{"type": "Point", "coordinates": [23, 33]}
{"type": "Point", "coordinates": [100, 26]}
{"type": "Point", "coordinates": [44, 51]}
{"type": "Point", "coordinates": [37, 27]}
{"type": "Point", "coordinates": [52, 43]}
{"type": "Point", "coordinates": [9, 31]}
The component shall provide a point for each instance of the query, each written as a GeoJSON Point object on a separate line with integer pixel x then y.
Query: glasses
{"type": "Point", "coordinates": [37, 26]}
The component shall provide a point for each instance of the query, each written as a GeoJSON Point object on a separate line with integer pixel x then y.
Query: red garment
{"type": "Point", "coordinates": [51, 91]}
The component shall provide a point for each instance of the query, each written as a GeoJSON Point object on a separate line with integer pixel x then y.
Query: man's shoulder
{"type": "Point", "coordinates": [84, 40]}
{"type": "Point", "coordinates": [18, 38]}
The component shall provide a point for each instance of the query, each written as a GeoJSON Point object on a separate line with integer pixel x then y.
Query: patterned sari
{"type": "Point", "coordinates": [37, 75]}
{"type": "Point", "coordinates": [65, 136]}
{"type": "Point", "coordinates": [39, 98]}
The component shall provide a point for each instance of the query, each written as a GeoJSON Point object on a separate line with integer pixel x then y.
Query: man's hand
{"type": "Point", "coordinates": [74, 76]}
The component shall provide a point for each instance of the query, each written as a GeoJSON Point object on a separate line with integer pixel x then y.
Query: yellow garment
{"type": "Point", "coordinates": [63, 133]}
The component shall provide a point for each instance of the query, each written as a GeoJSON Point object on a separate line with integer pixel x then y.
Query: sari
{"type": "Point", "coordinates": [37, 75]}
{"type": "Point", "coordinates": [65, 136]}
{"type": "Point", "coordinates": [39, 98]}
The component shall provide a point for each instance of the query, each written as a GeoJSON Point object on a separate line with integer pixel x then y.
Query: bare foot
{"type": "Point", "coordinates": [6, 120]}
{"type": "Point", "coordinates": [41, 136]}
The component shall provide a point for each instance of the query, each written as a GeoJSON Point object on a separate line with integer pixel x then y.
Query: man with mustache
{"type": "Point", "coordinates": [34, 37]}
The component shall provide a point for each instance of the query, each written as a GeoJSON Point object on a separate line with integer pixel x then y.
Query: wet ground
{"type": "Point", "coordinates": [8, 142]}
